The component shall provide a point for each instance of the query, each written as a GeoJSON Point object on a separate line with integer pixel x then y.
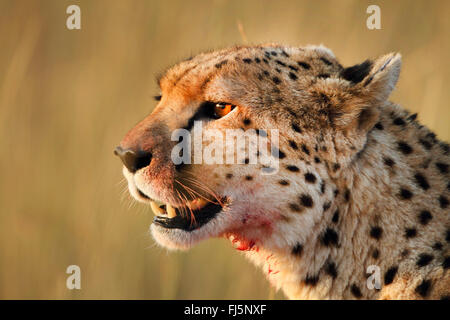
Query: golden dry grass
{"type": "Point", "coordinates": [68, 97]}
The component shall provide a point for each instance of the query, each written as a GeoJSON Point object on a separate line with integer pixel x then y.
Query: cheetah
{"type": "Point", "coordinates": [362, 188]}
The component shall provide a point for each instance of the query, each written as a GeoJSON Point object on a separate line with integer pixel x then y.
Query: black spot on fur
{"type": "Point", "coordinates": [295, 207]}
{"type": "Point", "coordinates": [437, 246]}
{"type": "Point", "coordinates": [293, 68]}
{"type": "Point", "coordinates": [323, 75]}
{"type": "Point", "coordinates": [277, 153]}
{"type": "Point", "coordinates": [336, 167]}
{"type": "Point", "coordinates": [335, 218]}
{"type": "Point", "coordinates": [427, 145]}
{"type": "Point", "coordinates": [447, 235]}
{"type": "Point", "coordinates": [276, 80]}
{"type": "Point", "coordinates": [261, 132]}
{"type": "Point", "coordinates": [322, 187]}
{"type": "Point", "coordinates": [257, 60]}
{"type": "Point", "coordinates": [326, 205]}
{"type": "Point", "coordinates": [311, 280]}
{"type": "Point", "coordinates": [309, 177]}
{"type": "Point", "coordinates": [425, 216]}
{"type": "Point", "coordinates": [329, 237]}
{"type": "Point", "coordinates": [379, 126]}
{"type": "Point", "coordinates": [326, 61]}
{"type": "Point", "coordinates": [443, 202]}
{"type": "Point", "coordinates": [445, 147]}
{"type": "Point", "coordinates": [424, 259]}
{"type": "Point", "coordinates": [221, 64]}
{"type": "Point", "coordinates": [297, 250]}
{"type": "Point", "coordinates": [273, 53]}
{"type": "Point", "coordinates": [336, 192]}
{"type": "Point", "coordinates": [292, 76]}
{"type": "Point", "coordinates": [422, 181]}
{"type": "Point", "coordinates": [284, 53]}
{"type": "Point", "coordinates": [248, 178]}
{"type": "Point", "coordinates": [229, 175]}
{"type": "Point", "coordinates": [316, 160]}
{"type": "Point", "coordinates": [331, 269]}
{"type": "Point", "coordinates": [404, 147]}
{"type": "Point", "coordinates": [247, 121]}
{"type": "Point", "coordinates": [399, 122]}
{"type": "Point", "coordinates": [446, 263]}
{"type": "Point", "coordinates": [305, 149]}
{"type": "Point", "coordinates": [296, 128]}
{"type": "Point", "coordinates": [306, 200]}
{"type": "Point", "coordinates": [405, 194]}
{"type": "Point", "coordinates": [247, 60]}
{"type": "Point", "coordinates": [283, 182]}
{"type": "Point", "coordinates": [292, 168]}
{"type": "Point", "coordinates": [356, 291]}
{"type": "Point", "coordinates": [388, 161]}
{"type": "Point", "coordinates": [347, 195]}
{"type": "Point", "coordinates": [357, 72]}
{"type": "Point", "coordinates": [423, 288]}
{"type": "Point", "coordinates": [280, 63]}
{"type": "Point", "coordinates": [410, 232]}
{"type": "Point", "coordinates": [375, 253]}
{"type": "Point", "coordinates": [376, 232]}
{"type": "Point", "coordinates": [390, 275]}
{"type": "Point", "coordinates": [304, 65]}
{"type": "Point", "coordinates": [293, 144]}
{"type": "Point", "coordinates": [442, 167]}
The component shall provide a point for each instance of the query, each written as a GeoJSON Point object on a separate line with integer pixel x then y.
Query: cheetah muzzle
{"type": "Point", "coordinates": [358, 205]}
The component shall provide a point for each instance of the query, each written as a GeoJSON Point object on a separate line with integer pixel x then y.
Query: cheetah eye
{"type": "Point", "coordinates": [222, 109]}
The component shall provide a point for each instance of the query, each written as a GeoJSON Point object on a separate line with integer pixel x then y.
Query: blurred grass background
{"type": "Point", "coordinates": [68, 97]}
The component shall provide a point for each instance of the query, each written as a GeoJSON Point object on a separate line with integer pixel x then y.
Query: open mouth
{"type": "Point", "coordinates": [193, 215]}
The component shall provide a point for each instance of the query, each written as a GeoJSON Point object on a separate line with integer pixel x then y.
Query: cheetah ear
{"type": "Point", "coordinates": [375, 79]}
{"type": "Point", "coordinates": [371, 84]}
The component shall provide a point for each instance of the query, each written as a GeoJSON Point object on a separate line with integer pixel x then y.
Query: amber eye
{"type": "Point", "coordinates": [222, 109]}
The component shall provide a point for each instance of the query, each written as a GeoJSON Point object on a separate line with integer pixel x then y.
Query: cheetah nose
{"type": "Point", "coordinates": [133, 160]}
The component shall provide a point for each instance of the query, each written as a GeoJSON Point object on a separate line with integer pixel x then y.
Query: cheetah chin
{"type": "Point", "coordinates": [358, 202]}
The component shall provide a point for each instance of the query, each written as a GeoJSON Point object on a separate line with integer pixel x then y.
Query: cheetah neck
{"type": "Point", "coordinates": [395, 190]}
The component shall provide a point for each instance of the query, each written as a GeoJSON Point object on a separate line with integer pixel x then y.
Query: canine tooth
{"type": "Point", "coordinates": [171, 213]}
{"type": "Point", "coordinates": [156, 209]}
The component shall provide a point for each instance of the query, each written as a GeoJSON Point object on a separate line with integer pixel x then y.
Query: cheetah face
{"type": "Point", "coordinates": [266, 92]}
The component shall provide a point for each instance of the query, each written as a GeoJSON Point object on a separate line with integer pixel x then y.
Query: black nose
{"type": "Point", "coordinates": [133, 160]}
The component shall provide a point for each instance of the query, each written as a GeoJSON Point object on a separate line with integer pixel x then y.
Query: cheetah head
{"type": "Point", "coordinates": [318, 110]}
